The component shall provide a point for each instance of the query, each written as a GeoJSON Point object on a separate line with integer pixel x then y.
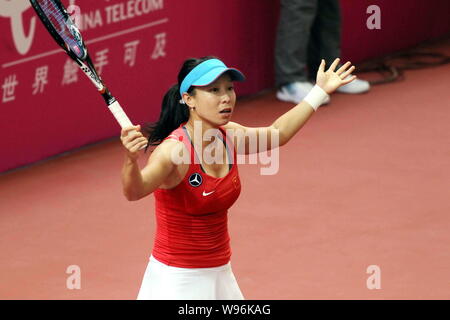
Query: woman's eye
{"type": "Point", "coordinates": [231, 88]}
{"type": "Point", "coordinates": [213, 89]}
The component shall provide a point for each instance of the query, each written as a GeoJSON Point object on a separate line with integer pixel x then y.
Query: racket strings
{"type": "Point", "coordinates": [60, 24]}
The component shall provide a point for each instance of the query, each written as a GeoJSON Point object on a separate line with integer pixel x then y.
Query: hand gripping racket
{"type": "Point", "coordinates": [58, 23]}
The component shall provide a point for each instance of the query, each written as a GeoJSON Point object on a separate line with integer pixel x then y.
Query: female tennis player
{"type": "Point", "coordinates": [191, 254]}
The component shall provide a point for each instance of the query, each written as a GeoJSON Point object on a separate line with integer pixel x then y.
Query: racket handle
{"type": "Point", "coordinates": [120, 115]}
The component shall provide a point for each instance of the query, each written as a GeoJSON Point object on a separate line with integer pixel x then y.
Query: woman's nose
{"type": "Point", "coordinates": [226, 97]}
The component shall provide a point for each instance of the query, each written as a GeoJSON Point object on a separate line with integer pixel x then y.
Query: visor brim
{"type": "Point", "coordinates": [215, 73]}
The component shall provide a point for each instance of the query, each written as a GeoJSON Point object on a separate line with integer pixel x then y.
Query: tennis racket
{"type": "Point", "coordinates": [67, 35]}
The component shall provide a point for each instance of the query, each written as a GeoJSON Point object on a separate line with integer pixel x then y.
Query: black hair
{"type": "Point", "coordinates": [173, 113]}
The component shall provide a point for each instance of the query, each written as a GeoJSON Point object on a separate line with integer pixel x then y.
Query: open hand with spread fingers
{"type": "Point", "coordinates": [330, 79]}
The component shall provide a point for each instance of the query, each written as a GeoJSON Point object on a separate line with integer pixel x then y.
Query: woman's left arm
{"type": "Point", "coordinates": [288, 124]}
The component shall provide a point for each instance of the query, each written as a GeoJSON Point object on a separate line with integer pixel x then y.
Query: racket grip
{"type": "Point", "coordinates": [120, 115]}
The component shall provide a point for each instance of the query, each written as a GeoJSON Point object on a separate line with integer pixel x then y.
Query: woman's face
{"type": "Point", "coordinates": [214, 103]}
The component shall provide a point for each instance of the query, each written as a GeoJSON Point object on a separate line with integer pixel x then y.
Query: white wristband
{"type": "Point", "coordinates": [316, 97]}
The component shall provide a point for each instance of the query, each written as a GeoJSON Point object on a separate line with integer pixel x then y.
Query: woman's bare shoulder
{"type": "Point", "coordinates": [167, 149]}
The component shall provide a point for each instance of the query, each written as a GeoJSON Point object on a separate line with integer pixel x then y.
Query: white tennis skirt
{"type": "Point", "coordinates": [163, 282]}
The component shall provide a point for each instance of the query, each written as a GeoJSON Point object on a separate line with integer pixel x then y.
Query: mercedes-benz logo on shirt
{"type": "Point", "coordinates": [195, 179]}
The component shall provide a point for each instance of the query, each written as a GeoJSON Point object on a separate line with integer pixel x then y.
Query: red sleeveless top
{"type": "Point", "coordinates": [191, 218]}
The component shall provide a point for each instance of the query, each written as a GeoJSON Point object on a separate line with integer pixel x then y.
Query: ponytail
{"type": "Point", "coordinates": [173, 113]}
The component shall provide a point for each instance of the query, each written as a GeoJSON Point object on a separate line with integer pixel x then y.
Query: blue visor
{"type": "Point", "coordinates": [206, 73]}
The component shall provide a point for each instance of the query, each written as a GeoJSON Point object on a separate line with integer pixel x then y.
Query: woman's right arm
{"type": "Point", "coordinates": [140, 183]}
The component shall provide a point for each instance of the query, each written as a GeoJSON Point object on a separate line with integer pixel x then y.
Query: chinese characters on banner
{"type": "Point", "coordinates": [40, 86]}
{"type": "Point", "coordinates": [8, 88]}
{"type": "Point", "coordinates": [68, 73]}
{"type": "Point", "coordinates": [137, 46]}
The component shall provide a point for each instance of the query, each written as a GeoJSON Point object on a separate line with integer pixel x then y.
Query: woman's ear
{"type": "Point", "coordinates": [189, 100]}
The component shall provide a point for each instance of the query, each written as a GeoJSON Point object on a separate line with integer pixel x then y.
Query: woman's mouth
{"type": "Point", "coordinates": [226, 110]}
